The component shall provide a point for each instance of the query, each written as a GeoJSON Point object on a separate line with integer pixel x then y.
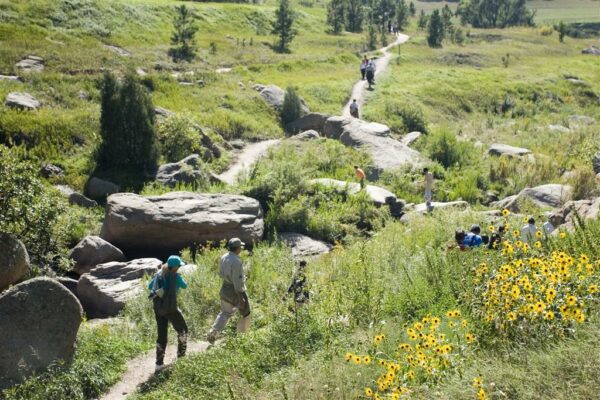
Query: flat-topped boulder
{"type": "Point", "coordinates": [386, 152]}
{"type": "Point", "coordinates": [549, 195]}
{"type": "Point", "coordinates": [118, 50]}
{"type": "Point", "coordinates": [14, 260]}
{"type": "Point", "coordinates": [499, 149]}
{"type": "Point", "coordinates": [186, 171]}
{"type": "Point", "coordinates": [303, 246]}
{"type": "Point", "coordinates": [377, 194]}
{"type": "Point", "coordinates": [410, 138]}
{"type": "Point", "coordinates": [31, 64]}
{"type": "Point", "coordinates": [107, 287]}
{"type": "Point", "coordinates": [274, 97]}
{"type": "Point", "coordinates": [311, 121]}
{"type": "Point", "coordinates": [39, 320]}
{"type": "Point", "coordinates": [91, 251]}
{"type": "Point", "coordinates": [22, 100]}
{"type": "Point", "coordinates": [98, 188]}
{"type": "Point", "coordinates": [173, 221]}
{"type": "Point", "coordinates": [454, 205]}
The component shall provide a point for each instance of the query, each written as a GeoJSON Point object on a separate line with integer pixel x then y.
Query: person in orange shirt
{"type": "Point", "coordinates": [360, 175]}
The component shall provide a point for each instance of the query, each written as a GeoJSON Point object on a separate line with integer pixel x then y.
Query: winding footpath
{"type": "Point", "coordinates": [140, 369]}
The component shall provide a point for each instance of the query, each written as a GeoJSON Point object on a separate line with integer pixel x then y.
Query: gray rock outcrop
{"type": "Point", "coordinates": [550, 195]}
{"type": "Point", "coordinates": [186, 171]}
{"type": "Point", "coordinates": [98, 188]}
{"type": "Point", "coordinates": [69, 283]}
{"type": "Point", "coordinates": [162, 112]}
{"type": "Point", "coordinates": [91, 251]}
{"type": "Point", "coordinates": [303, 246]}
{"type": "Point", "coordinates": [39, 320]}
{"type": "Point", "coordinates": [50, 170]}
{"type": "Point", "coordinates": [311, 121]}
{"type": "Point", "coordinates": [387, 153]}
{"type": "Point", "coordinates": [306, 136]}
{"type": "Point", "coordinates": [80, 200]}
{"type": "Point", "coordinates": [161, 224]}
{"type": "Point", "coordinates": [592, 50]}
{"type": "Point", "coordinates": [578, 121]}
{"type": "Point", "coordinates": [21, 100]}
{"type": "Point", "coordinates": [410, 138]}
{"type": "Point", "coordinates": [274, 97]}
{"type": "Point", "coordinates": [558, 128]}
{"type": "Point", "coordinates": [567, 215]}
{"type": "Point", "coordinates": [14, 260]}
{"type": "Point", "coordinates": [31, 64]}
{"type": "Point", "coordinates": [104, 290]}
{"type": "Point", "coordinates": [498, 149]}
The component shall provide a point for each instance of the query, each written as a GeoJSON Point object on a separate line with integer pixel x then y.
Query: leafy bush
{"type": "Point", "coordinates": [443, 147]}
{"type": "Point", "coordinates": [584, 182]}
{"type": "Point", "coordinates": [292, 107]}
{"type": "Point", "coordinates": [179, 136]}
{"type": "Point", "coordinates": [411, 116]}
{"type": "Point", "coordinates": [546, 30]}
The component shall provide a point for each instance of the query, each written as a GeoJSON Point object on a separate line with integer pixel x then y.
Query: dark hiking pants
{"type": "Point", "coordinates": [162, 324]}
{"type": "Point", "coordinates": [362, 74]}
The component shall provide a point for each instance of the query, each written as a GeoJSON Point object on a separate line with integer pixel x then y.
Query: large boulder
{"type": "Point", "coordinates": [386, 152]}
{"type": "Point", "coordinates": [186, 171]}
{"type": "Point", "coordinates": [568, 214]}
{"type": "Point", "coordinates": [39, 320]}
{"type": "Point", "coordinates": [303, 246]}
{"type": "Point", "coordinates": [550, 195]}
{"type": "Point", "coordinates": [274, 97]}
{"type": "Point", "coordinates": [31, 64]}
{"type": "Point", "coordinates": [99, 189]}
{"type": "Point", "coordinates": [311, 121]}
{"type": "Point", "coordinates": [498, 149]}
{"type": "Point", "coordinates": [91, 251]}
{"type": "Point", "coordinates": [162, 224]}
{"type": "Point", "coordinates": [107, 287]}
{"type": "Point", "coordinates": [22, 100]}
{"type": "Point", "coordinates": [14, 260]}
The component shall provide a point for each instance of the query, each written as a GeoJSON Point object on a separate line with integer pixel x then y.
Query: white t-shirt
{"type": "Point", "coordinates": [428, 180]}
{"type": "Point", "coordinates": [353, 106]}
{"type": "Point", "coordinates": [528, 232]}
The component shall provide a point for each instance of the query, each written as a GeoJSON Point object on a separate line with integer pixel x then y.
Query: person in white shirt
{"type": "Point", "coordinates": [428, 187]}
{"type": "Point", "coordinates": [528, 231]}
{"type": "Point", "coordinates": [354, 108]}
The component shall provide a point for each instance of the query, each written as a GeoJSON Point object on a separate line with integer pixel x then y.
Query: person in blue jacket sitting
{"type": "Point", "coordinates": [473, 238]}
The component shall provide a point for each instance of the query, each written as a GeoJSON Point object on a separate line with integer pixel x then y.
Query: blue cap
{"type": "Point", "coordinates": [174, 262]}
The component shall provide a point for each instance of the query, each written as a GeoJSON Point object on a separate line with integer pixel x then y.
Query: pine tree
{"type": "Point", "coordinates": [183, 35]}
{"type": "Point", "coordinates": [422, 24]}
{"type": "Point", "coordinates": [412, 9]}
{"type": "Point", "coordinates": [371, 37]}
{"type": "Point", "coordinates": [354, 15]}
{"type": "Point", "coordinates": [402, 13]}
{"type": "Point", "coordinates": [336, 13]}
{"type": "Point", "coordinates": [562, 31]}
{"type": "Point", "coordinates": [447, 18]}
{"type": "Point", "coordinates": [435, 34]}
{"type": "Point", "coordinates": [126, 127]}
{"type": "Point", "coordinates": [283, 26]}
{"type": "Point", "coordinates": [292, 106]}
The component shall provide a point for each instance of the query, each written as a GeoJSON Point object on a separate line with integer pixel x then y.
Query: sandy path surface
{"type": "Point", "coordinates": [360, 87]}
{"type": "Point", "coordinates": [248, 156]}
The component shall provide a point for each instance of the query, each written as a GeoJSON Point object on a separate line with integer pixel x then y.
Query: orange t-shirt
{"type": "Point", "coordinates": [360, 174]}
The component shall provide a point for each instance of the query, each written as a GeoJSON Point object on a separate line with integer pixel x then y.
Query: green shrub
{"type": "Point", "coordinates": [584, 182]}
{"type": "Point", "coordinates": [443, 147]}
{"type": "Point", "coordinates": [292, 107]}
{"type": "Point", "coordinates": [179, 137]}
{"type": "Point", "coordinates": [411, 116]}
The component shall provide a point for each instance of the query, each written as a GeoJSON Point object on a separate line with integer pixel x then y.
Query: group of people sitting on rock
{"type": "Point", "coordinates": [474, 238]}
{"type": "Point", "coordinates": [167, 282]}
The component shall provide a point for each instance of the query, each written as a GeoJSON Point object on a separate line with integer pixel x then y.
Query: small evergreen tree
{"type": "Point", "coordinates": [422, 23]}
{"type": "Point", "coordinates": [402, 13]}
{"type": "Point", "coordinates": [336, 15]}
{"type": "Point", "coordinates": [412, 9]}
{"type": "Point", "coordinates": [447, 18]}
{"type": "Point", "coordinates": [183, 35]}
{"type": "Point", "coordinates": [283, 26]}
{"type": "Point", "coordinates": [292, 106]}
{"type": "Point", "coordinates": [354, 15]}
{"type": "Point", "coordinates": [435, 28]}
{"type": "Point", "coordinates": [371, 37]}
{"type": "Point", "coordinates": [126, 128]}
{"type": "Point", "coordinates": [562, 31]}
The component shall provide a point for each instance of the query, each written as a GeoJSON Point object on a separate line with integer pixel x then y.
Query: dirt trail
{"type": "Point", "coordinates": [359, 89]}
{"type": "Point", "coordinates": [141, 369]}
{"type": "Point", "coordinates": [249, 155]}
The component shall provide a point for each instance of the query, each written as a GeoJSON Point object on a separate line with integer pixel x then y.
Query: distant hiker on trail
{"type": "Point", "coordinates": [529, 231]}
{"type": "Point", "coordinates": [354, 108]}
{"type": "Point", "coordinates": [428, 178]}
{"type": "Point", "coordinates": [233, 291]}
{"type": "Point", "coordinates": [163, 292]}
{"type": "Point", "coordinates": [363, 67]}
{"type": "Point", "coordinates": [298, 285]}
{"type": "Point", "coordinates": [360, 175]}
{"type": "Point", "coordinates": [370, 71]}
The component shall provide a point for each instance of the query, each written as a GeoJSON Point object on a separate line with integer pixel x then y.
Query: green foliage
{"type": "Point", "coordinates": [435, 30]}
{"type": "Point", "coordinates": [402, 14]}
{"type": "Point", "coordinates": [423, 20]}
{"type": "Point", "coordinates": [442, 146]}
{"type": "Point", "coordinates": [292, 106]}
{"type": "Point", "coordinates": [336, 14]}
{"type": "Point", "coordinates": [127, 128]}
{"type": "Point", "coordinates": [27, 209]}
{"type": "Point", "coordinates": [354, 16]}
{"type": "Point", "coordinates": [371, 37]}
{"type": "Point", "coordinates": [412, 9]}
{"type": "Point", "coordinates": [447, 18]}
{"type": "Point", "coordinates": [498, 13]}
{"type": "Point", "coordinates": [283, 26]}
{"type": "Point", "coordinates": [179, 137]}
{"type": "Point", "coordinates": [183, 35]}
{"type": "Point", "coordinates": [562, 31]}
{"type": "Point", "coordinates": [584, 183]}
{"type": "Point", "coordinates": [99, 360]}
{"type": "Point", "coordinates": [412, 118]}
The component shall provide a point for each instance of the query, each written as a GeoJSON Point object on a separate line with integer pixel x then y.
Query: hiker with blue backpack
{"type": "Point", "coordinates": [163, 291]}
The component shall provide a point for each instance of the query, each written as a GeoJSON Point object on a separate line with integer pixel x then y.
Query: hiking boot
{"type": "Point", "coordinates": [211, 337]}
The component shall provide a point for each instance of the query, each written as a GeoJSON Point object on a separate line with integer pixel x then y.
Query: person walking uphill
{"type": "Point", "coordinates": [370, 72]}
{"type": "Point", "coordinates": [233, 291]}
{"type": "Point", "coordinates": [163, 292]}
{"type": "Point", "coordinates": [354, 108]}
{"type": "Point", "coordinates": [363, 67]}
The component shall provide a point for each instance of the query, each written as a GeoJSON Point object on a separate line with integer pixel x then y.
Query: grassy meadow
{"type": "Point", "coordinates": [394, 312]}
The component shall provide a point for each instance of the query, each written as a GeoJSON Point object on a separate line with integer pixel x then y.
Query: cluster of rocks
{"type": "Point", "coordinates": [549, 195]}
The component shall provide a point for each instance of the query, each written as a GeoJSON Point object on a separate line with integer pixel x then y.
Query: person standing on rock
{"type": "Point", "coordinates": [363, 67]}
{"type": "Point", "coordinates": [428, 177]}
{"type": "Point", "coordinates": [233, 291]}
{"type": "Point", "coordinates": [354, 108]}
{"type": "Point", "coordinates": [163, 292]}
{"type": "Point", "coordinates": [360, 175]}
